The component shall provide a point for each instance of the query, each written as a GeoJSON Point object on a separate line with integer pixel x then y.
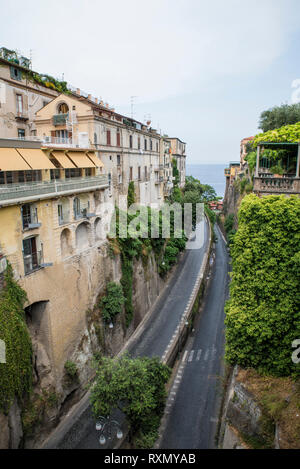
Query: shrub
{"type": "Point", "coordinates": [263, 314]}
{"type": "Point", "coordinates": [111, 304]}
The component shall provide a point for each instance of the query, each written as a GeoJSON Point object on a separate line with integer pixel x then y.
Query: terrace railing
{"type": "Point", "coordinates": [45, 189]}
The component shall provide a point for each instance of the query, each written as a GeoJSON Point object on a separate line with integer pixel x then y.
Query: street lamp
{"type": "Point", "coordinates": [108, 427]}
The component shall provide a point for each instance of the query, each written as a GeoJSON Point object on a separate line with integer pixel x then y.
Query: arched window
{"type": "Point", "coordinates": [98, 229]}
{"type": "Point", "coordinates": [65, 243]}
{"type": "Point", "coordinates": [82, 236]}
{"type": "Point", "coordinates": [62, 108]}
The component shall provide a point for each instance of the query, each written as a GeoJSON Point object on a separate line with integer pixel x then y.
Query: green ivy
{"type": "Point", "coordinates": [263, 313]}
{"type": "Point", "coordinates": [16, 373]}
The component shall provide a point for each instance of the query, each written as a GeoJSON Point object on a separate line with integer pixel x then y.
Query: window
{"type": "Point", "coordinates": [145, 172]}
{"type": "Point", "coordinates": [29, 176]}
{"type": "Point", "coordinates": [19, 99]}
{"type": "Point", "coordinates": [139, 143]}
{"type": "Point", "coordinates": [88, 172]}
{"type": "Point", "coordinates": [21, 133]}
{"type": "Point", "coordinates": [118, 160]}
{"type": "Point", "coordinates": [120, 178]}
{"type": "Point", "coordinates": [76, 207]}
{"type": "Point", "coordinates": [118, 139]}
{"type": "Point", "coordinates": [130, 173]}
{"type": "Point", "coordinates": [109, 180]}
{"type": "Point", "coordinates": [29, 216]}
{"type": "Point", "coordinates": [32, 257]}
{"type": "Point", "coordinates": [108, 139]}
{"type": "Point", "coordinates": [95, 138]}
{"type": "Point", "coordinates": [73, 173]}
{"type": "Point", "coordinates": [62, 108]}
{"type": "Point", "coordinates": [139, 173]}
{"type": "Point", "coordinates": [6, 177]}
{"type": "Point", "coordinates": [145, 144]}
{"type": "Point", "coordinates": [150, 144]}
{"type": "Point", "coordinates": [156, 146]}
{"type": "Point", "coordinates": [15, 73]}
{"type": "Point", "coordinates": [130, 141]}
{"type": "Point", "coordinates": [54, 174]}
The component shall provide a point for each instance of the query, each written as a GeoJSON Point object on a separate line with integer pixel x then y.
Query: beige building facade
{"type": "Point", "coordinates": [178, 148]}
{"type": "Point", "coordinates": [20, 98]}
{"type": "Point", "coordinates": [129, 150]}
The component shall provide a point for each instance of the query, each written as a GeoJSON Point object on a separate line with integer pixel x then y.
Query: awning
{"type": "Point", "coordinates": [11, 160]}
{"type": "Point", "coordinates": [80, 159]}
{"type": "Point", "coordinates": [64, 161]}
{"type": "Point", "coordinates": [36, 158]}
{"type": "Point", "coordinates": [95, 159]}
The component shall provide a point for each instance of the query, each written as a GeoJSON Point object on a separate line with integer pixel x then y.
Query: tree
{"type": "Point", "coordinates": [279, 116]}
{"type": "Point", "coordinates": [136, 387]}
{"type": "Point", "coordinates": [263, 313]}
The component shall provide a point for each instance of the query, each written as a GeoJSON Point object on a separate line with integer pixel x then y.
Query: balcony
{"type": "Point", "coordinates": [13, 193]}
{"type": "Point", "coordinates": [33, 262]}
{"type": "Point", "coordinates": [60, 119]}
{"type": "Point", "coordinates": [22, 116]}
{"type": "Point", "coordinates": [276, 185]}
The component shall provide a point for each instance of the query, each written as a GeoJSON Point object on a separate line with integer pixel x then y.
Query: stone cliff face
{"type": "Point", "coordinates": [56, 390]}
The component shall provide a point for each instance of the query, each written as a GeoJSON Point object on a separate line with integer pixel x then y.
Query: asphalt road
{"type": "Point", "coordinates": [157, 331]}
{"type": "Point", "coordinates": [193, 404]}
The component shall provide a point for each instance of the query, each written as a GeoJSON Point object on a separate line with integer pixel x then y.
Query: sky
{"type": "Point", "coordinates": [203, 71]}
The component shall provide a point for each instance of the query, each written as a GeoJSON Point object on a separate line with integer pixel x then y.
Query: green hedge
{"type": "Point", "coordinates": [263, 313]}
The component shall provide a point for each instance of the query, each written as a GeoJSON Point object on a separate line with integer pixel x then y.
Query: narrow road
{"type": "Point", "coordinates": [156, 333]}
{"type": "Point", "coordinates": [193, 404]}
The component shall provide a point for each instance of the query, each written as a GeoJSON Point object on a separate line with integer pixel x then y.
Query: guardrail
{"type": "Point", "coordinates": [17, 191]}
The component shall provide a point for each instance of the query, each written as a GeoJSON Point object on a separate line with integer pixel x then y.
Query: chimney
{"type": "Point", "coordinates": [90, 97]}
{"type": "Point", "coordinates": [96, 100]}
{"type": "Point", "coordinates": [106, 105]}
{"type": "Point", "coordinates": [78, 91]}
{"type": "Point", "coordinates": [101, 102]}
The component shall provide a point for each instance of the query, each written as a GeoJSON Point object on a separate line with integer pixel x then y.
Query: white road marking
{"type": "Point", "coordinates": [184, 356]}
{"type": "Point", "coordinates": [198, 354]}
{"type": "Point", "coordinates": [191, 356]}
{"type": "Point", "coordinates": [206, 355]}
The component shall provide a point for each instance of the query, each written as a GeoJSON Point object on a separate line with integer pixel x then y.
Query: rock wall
{"type": "Point", "coordinates": [52, 398]}
{"type": "Point", "coordinates": [244, 424]}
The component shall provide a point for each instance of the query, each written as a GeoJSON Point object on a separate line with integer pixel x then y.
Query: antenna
{"type": "Point", "coordinates": [132, 98]}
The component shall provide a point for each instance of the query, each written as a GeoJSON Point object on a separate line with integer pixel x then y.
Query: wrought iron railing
{"type": "Point", "coordinates": [60, 119]}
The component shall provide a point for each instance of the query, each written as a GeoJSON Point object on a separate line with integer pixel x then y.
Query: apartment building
{"type": "Point", "coordinates": [129, 150]}
{"type": "Point", "coordinates": [178, 148]}
{"type": "Point", "coordinates": [20, 96]}
{"type": "Point", "coordinates": [53, 226]}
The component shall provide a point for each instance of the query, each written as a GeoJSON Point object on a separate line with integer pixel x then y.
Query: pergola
{"type": "Point", "coordinates": [277, 145]}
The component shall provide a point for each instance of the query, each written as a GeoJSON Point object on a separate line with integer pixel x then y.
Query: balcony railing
{"type": "Point", "coordinates": [33, 262]}
{"type": "Point", "coordinates": [47, 189]}
{"type": "Point", "coordinates": [281, 185]}
{"type": "Point", "coordinates": [60, 119]}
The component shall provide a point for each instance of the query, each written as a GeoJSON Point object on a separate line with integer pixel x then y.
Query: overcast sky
{"type": "Point", "coordinates": [203, 70]}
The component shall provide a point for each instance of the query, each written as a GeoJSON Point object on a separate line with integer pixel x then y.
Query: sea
{"type": "Point", "coordinates": [212, 174]}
